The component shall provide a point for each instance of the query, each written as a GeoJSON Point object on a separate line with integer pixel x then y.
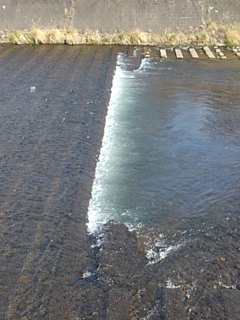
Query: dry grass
{"type": "Point", "coordinates": [233, 35]}
{"type": "Point", "coordinates": [19, 37]}
{"type": "Point", "coordinates": [39, 36]}
{"type": "Point", "coordinates": [55, 36]}
{"type": "Point", "coordinates": [206, 34]}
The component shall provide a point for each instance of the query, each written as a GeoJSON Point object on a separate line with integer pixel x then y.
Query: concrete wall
{"type": "Point", "coordinates": [111, 15]}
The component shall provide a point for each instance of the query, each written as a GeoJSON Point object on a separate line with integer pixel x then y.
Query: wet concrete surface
{"type": "Point", "coordinates": [50, 267]}
{"type": "Point", "coordinates": [50, 140]}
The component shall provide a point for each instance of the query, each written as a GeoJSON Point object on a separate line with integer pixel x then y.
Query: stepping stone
{"type": "Point", "coordinates": [209, 52]}
{"type": "Point", "coordinates": [163, 53]}
{"type": "Point", "coordinates": [193, 53]}
{"type": "Point", "coordinates": [178, 54]}
{"type": "Point", "coordinates": [220, 54]}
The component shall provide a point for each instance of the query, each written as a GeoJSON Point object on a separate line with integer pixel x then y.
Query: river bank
{"type": "Point", "coordinates": [209, 33]}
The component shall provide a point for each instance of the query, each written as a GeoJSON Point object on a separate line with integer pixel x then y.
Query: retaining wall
{"type": "Point", "coordinates": [111, 15]}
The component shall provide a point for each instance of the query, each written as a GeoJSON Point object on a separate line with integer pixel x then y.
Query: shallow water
{"type": "Point", "coordinates": [171, 147]}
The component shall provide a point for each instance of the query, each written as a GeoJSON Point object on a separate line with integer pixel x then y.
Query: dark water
{"type": "Point", "coordinates": [171, 149]}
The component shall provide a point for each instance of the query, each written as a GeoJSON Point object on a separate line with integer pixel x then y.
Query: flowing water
{"type": "Point", "coordinates": [171, 147]}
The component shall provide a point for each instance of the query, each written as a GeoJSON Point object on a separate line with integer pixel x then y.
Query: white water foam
{"type": "Point", "coordinates": [101, 207]}
{"type": "Point", "coordinates": [155, 256]}
{"type": "Point", "coordinates": [97, 218]}
{"type": "Point", "coordinates": [156, 248]}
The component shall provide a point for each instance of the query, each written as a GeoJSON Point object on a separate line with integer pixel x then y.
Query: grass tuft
{"type": "Point", "coordinates": [55, 36]}
{"type": "Point", "coordinates": [73, 37]}
{"type": "Point", "coordinates": [19, 37]}
{"type": "Point", "coordinates": [207, 34]}
{"type": "Point", "coordinates": [232, 36]}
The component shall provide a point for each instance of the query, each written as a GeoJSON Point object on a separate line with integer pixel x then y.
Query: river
{"type": "Point", "coordinates": [171, 148]}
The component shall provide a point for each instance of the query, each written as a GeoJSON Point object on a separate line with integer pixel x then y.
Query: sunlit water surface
{"type": "Point", "coordinates": [171, 147]}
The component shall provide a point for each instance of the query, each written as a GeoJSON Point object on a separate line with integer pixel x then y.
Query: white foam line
{"type": "Point", "coordinates": [96, 219]}
{"type": "Point", "coordinates": [155, 256]}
